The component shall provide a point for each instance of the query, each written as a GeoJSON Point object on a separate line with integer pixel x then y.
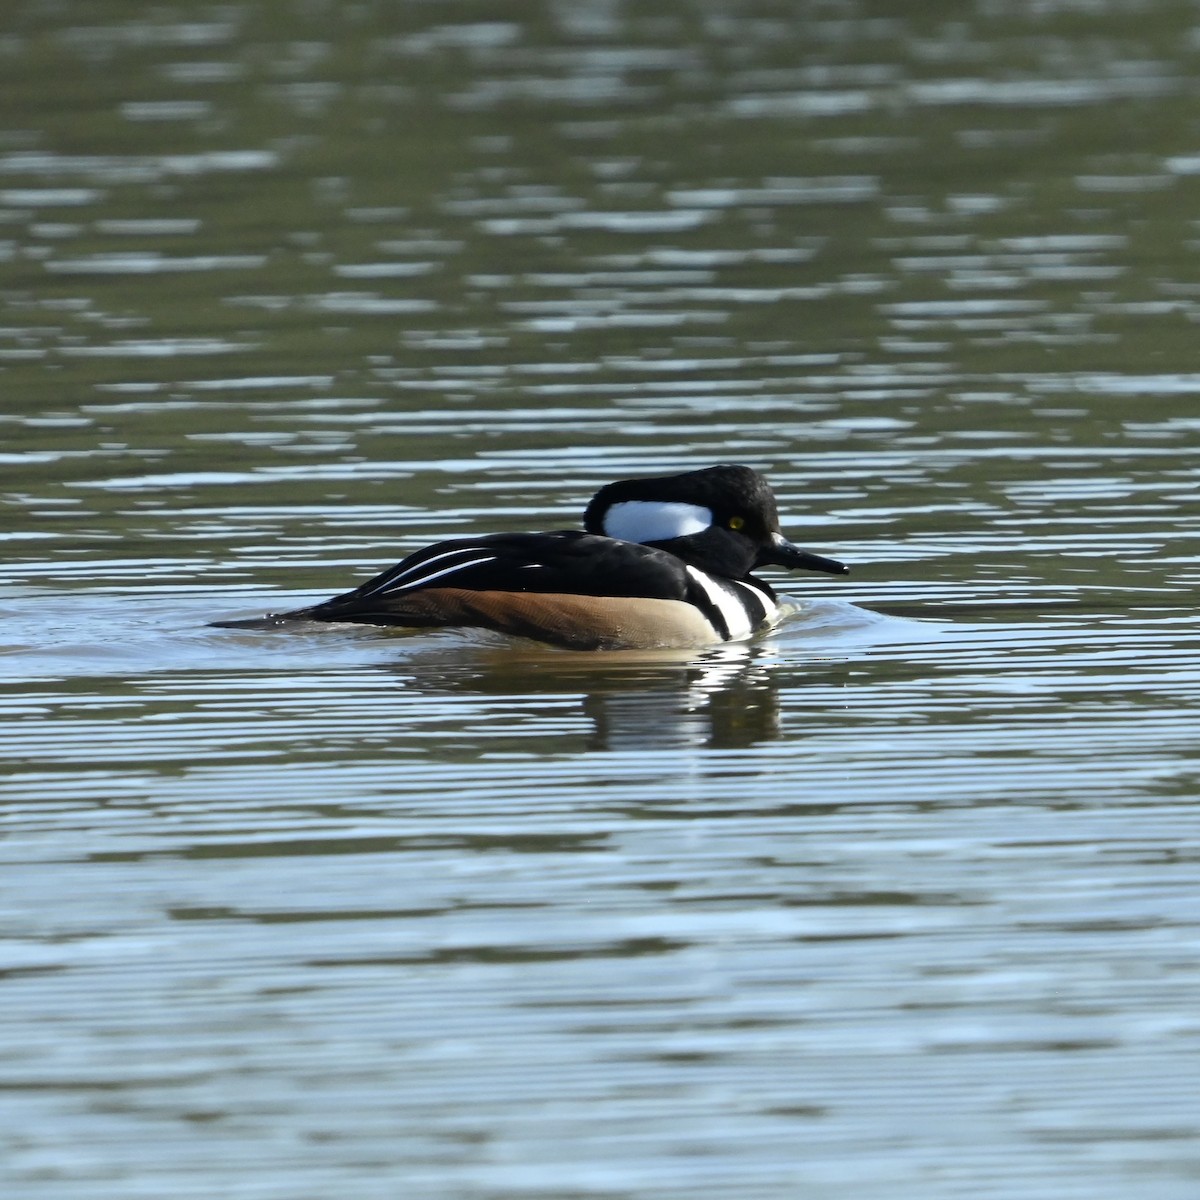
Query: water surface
{"type": "Point", "coordinates": [899, 899]}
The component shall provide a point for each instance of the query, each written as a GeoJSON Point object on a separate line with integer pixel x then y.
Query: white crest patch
{"type": "Point", "coordinates": [655, 520]}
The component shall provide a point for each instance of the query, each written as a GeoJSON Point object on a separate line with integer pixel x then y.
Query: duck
{"type": "Point", "coordinates": [664, 562]}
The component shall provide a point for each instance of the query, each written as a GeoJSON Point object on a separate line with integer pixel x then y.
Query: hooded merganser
{"type": "Point", "coordinates": [663, 563]}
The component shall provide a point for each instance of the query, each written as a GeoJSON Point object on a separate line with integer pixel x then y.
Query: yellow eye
{"type": "Point", "coordinates": [736, 522]}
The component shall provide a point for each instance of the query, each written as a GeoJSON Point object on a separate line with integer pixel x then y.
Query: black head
{"type": "Point", "coordinates": [722, 519]}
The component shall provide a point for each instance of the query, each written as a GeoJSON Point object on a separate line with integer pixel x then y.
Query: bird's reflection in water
{"type": "Point", "coordinates": [726, 697]}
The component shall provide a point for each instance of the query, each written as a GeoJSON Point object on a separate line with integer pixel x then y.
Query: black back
{"type": "Point", "coordinates": [561, 562]}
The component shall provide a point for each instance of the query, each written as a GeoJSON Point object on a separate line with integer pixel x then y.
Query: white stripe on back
{"type": "Point", "coordinates": [401, 583]}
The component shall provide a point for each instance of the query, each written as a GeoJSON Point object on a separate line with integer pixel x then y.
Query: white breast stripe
{"type": "Point", "coordinates": [422, 580]}
{"type": "Point", "coordinates": [655, 521]}
{"type": "Point", "coordinates": [421, 566]}
{"type": "Point", "coordinates": [767, 610]}
{"type": "Point", "coordinates": [730, 607]}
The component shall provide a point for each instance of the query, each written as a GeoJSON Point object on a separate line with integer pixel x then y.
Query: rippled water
{"type": "Point", "coordinates": [900, 899]}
